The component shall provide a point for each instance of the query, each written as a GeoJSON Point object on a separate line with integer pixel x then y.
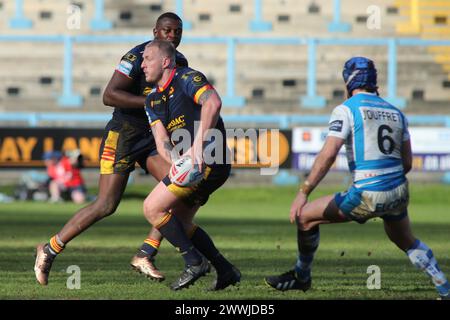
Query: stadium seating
{"type": "Point", "coordinates": [429, 20]}
{"type": "Point", "coordinates": [271, 78]}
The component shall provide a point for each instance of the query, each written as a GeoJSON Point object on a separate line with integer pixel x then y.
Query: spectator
{"type": "Point", "coordinates": [65, 176]}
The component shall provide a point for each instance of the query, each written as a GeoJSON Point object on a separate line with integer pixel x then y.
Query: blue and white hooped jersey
{"type": "Point", "coordinates": [374, 132]}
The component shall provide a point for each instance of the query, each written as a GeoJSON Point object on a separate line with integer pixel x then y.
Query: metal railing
{"type": "Point", "coordinates": [258, 24]}
{"type": "Point", "coordinates": [69, 98]}
{"type": "Point", "coordinates": [281, 121]}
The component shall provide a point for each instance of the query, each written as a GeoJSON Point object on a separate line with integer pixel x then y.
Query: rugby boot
{"type": "Point", "coordinates": [145, 264]}
{"type": "Point", "coordinates": [446, 297]}
{"type": "Point", "coordinates": [228, 278]}
{"type": "Point", "coordinates": [288, 281]}
{"type": "Point", "coordinates": [43, 263]}
{"type": "Point", "coordinates": [191, 274]}
{"type": "Point", "coordinates": [444, 291]}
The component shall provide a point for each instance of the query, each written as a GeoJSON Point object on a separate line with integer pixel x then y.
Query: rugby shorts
{"type": "Point", "coordinates": [124, 143]}
{"type": "Point", "coordinates": [214, 177]}
{"type": "Point", "coordinates": [361, 205]}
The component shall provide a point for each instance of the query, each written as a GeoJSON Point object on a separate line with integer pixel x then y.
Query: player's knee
{"type": "Point", "coordinates": [104, 208]}
{"type": "Point", "coordinates": [303, 223]}
{"type": "Point", "coordinates": [150, 212]}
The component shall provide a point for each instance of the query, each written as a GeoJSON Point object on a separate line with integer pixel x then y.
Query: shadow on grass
{"type": "Point", "coordinates": [106, 275]}
{"type": "Point", "coordinates": [29, 225]}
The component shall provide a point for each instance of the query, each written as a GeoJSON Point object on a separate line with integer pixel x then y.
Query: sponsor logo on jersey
{"type": "Point", "coordinates": [187, 74]}
{"type": "Point", "coordinates": [336, 125]}
{"type": "Point", "coordinates": [147, 90]}
{"type": "Point", "coordinates": [198, 80]}
{"type": "Point", "coordinates": [125, 67]}
{"type": "Point", "coordinates": [176, 123]}
{"type": "Point", "coordinates": [130, 57]}
{"type": "Point", "coordinates": [155, 102]}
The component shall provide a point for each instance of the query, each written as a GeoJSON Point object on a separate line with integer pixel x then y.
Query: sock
{"type": "Point", "coordinates": [55, 245]}
{"type": "Point", "coordinates": [422, 257]}
{"type": "Point", "coordinates": [171, 228]}
{"type": "Point", "coordinates": [205, 245]}
{"type": "Point", "coordinates": [308, 242]}
{"type": "Point", "coordinates": [150, 247]}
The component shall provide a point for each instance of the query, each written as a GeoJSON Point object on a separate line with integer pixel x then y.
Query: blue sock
{"type": "Point", "coordinates": [444, 290]}
{"type": "Point", "coordinates": [422, 257]}
{"type": "Point", "coordinates": [308, 242]}
{"type": "Point", "coordinates": [303, 267]}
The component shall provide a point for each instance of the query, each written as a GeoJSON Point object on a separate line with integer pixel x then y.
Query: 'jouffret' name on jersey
{"type": "Point", "coordinates": [374, 132]}
{"type": "Point", "coordinates": [384, 115]}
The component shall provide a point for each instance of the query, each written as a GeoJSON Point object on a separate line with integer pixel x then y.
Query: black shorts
{"type": "Point", "coordinates": [124, 143]}
{"type": "Point", "coordinates": [215, 177]}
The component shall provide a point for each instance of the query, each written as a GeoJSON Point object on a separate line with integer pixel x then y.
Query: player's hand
{"type": "Point", "coordinates": [196, 153]}
{"type": "Point", "coordinates": [297, 206]}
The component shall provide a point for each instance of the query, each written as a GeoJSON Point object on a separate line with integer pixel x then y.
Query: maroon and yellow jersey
{"type": "Point", "coordinates": [176, 104]}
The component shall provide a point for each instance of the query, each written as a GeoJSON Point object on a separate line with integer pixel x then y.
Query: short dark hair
{"type": "Point", "coordinates": [167, 48]}
{"type": "Point", "coordinates": [168, 15]}
{"type": "Point", "coordinates": [370, 89]}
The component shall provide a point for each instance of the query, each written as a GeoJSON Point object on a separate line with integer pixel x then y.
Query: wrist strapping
{"type": "Point", "coordinates": [306, 187]}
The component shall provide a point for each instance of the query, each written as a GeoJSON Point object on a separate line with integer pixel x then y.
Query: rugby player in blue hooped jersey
{"type": "Point", "coordinates": [378, 147]}
{"type": "Point", "coordinates": [184, 97]}
{"type": "Point", "coordinates": [127, 140]}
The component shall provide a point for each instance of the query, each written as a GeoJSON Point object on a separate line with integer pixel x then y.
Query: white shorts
{"type": "Point", "coordinates": [361, 204]}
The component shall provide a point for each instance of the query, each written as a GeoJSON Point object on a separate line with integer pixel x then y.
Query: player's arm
{"type": "Point", "coordinates": [197, 87]}
{"type": "Point", "coordinates": [339, 129]}
{"type": "Point", "coordinates": [118, 92]}
{"type": "Point", "coordinates": [163, 143]}
{"type": "Point", "coordinates": [406, 156]}
{"type": "Point", "coordinates": [323, 163]}
{"type": "Point", "coordinates": [211, 104]}
{"type": "Point", "coordinates": [406, 151]}
{"type": "Point", "coordinates": [320, 168]}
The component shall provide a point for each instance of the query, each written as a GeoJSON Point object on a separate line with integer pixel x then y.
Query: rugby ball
{"type": "Point", "coordinates": [184, 173]}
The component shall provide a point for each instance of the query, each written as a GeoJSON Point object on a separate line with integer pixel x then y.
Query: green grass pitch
{"type": "Point", "coordinates": [249, 225]}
